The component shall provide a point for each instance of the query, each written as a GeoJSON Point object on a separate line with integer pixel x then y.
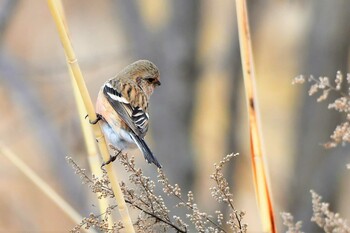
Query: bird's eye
{"type": "Point", "coordinates": [150, 80]}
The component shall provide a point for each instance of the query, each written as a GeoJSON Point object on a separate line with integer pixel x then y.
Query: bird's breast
{"type": "Point", "coordinates": [120, 138]}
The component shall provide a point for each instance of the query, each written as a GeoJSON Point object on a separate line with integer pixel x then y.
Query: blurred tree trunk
{"type": "Point", "coordinates": [7, 8]}
{"type": "Point", "coordinates": [316, 168]}
{"type": "Point", "coordinates": [172, 49]}
{"type": "Point", "coordinates": [212, 115]}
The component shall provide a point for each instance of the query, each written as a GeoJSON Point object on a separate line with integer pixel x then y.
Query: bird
{"type": "Point", "coordinates": [122, 108]}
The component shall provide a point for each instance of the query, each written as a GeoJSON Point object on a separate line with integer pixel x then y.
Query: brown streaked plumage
{"type": "Point", "coordinates": [123, 104]}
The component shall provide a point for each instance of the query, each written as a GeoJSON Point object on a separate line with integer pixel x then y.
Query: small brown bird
{"type": "Point", "coordinates": [122, 106]}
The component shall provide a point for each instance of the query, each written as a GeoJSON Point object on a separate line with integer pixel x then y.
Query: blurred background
{"type": "Point", "coordinates": [199, 113]}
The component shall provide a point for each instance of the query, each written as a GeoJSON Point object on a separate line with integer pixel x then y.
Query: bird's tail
{"type": "Point", "coordinates": [146, 151]}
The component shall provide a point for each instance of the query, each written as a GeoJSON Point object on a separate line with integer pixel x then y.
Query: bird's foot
{"type": "Point", "coordinates": [98, 118]}
{"type": "Point", "coordinates": [110, 160]}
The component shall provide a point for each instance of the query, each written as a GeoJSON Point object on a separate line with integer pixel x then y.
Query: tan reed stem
{"type": "Point", "coordinates": [258, 165]}
{"type": "Point", "coordinates": [74, 66]}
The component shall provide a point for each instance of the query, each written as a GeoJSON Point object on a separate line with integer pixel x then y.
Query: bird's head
{"type": "Point", "coordinates": [145, 74]}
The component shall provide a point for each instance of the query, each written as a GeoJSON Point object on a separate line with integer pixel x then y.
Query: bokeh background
{"type": "Point", "coordinates": [199, 113]}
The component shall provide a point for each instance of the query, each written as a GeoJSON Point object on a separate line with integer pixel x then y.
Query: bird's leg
{"type": "Point", "coordinates": [110, 160]}
{"type": "Point", "coordinates": [98, 118]}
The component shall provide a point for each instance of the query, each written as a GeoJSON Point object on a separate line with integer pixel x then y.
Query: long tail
{"type": "Point", "coordinates": [147, 153]}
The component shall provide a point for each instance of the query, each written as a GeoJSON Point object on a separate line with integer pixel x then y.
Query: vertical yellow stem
{"type": "Point", "coordinates": [93, 157]}
{"type": "Point", "coordinates": [73, 65]}
{"type": "Point", "coordinates": [258, 165]}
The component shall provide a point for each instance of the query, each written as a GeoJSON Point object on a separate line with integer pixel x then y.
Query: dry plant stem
{"type": "Point", "coordinates": [144, 186]}
{"type": "Point", "coordinates": [42, 185]}
{"type": "Point", "coordinates": [326, 219]}
{"type": "Point", "coordinates": [73, 64]}
{"type": "Point", "coordinates": [186, 203]}
{"type": "Point", "coordinates": [107, 189]}
{"type": "Point", "coordinates": [207, 218]}
{"type": "Point", "coordinates": [93, 158]}
{"type": "Point", "coordinates": [109, 229]}
{"type": "Point", "coordinates": [259, 170]}
{"type": "Point", "coordinates": [231, 205]}
{"type": "Point", "coordinates": [288, 221]}
{"type": "Point", "coordinates": [166, 221]}
{"type": "Point", "coordinates": [331, 87]}
{"type": "Point", "coordinates": [177, 195]}
{"type": "Point", "coordinates": [157, 217]}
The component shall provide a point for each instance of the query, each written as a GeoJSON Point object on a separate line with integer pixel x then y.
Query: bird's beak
{"type": "Point", "coordinates": [157, 83]}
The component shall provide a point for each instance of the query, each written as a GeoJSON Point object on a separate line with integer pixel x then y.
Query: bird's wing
{"type": "Point", "coordinates": [132, 114]}
{"type": "Point", "coordinates": [134, 117]}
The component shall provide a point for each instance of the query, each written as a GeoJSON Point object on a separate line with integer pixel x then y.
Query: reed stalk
{"type": "Point", "coordinates": [263, 194]}
{"type": "Point", "coordinates": [93, 157]}
{"type": "Point", "coordinates": [74, 66]}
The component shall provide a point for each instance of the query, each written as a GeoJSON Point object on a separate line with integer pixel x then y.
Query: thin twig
{"type": "Point", "coordinates": [330, 86]}
{"type": "Point", "coordinates": [230, 203]}
{"type": "Point", "coordinates": [87, 179]}
{"type": "Point", "coordinates": [143, 185]}
{"type": "Point", "coordinates": [168, 222]}
{"type": "Point", "coordinates": [189, 206]}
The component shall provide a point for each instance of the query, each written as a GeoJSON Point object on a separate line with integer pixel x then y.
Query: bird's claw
{"type": "Point", "coordinates": [98, 118]}
{"type": "Point", "coordinates": [110, 160]}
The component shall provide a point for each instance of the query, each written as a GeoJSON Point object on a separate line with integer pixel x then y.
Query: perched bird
{"type": "Point", "coordinates": [122, 108]}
